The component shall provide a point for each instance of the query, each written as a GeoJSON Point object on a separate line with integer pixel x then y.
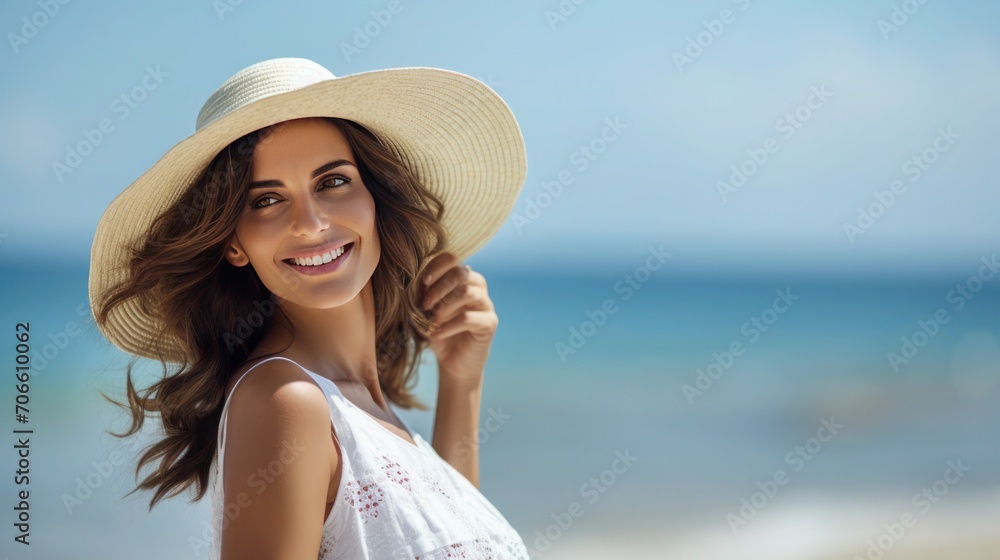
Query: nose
{"type": "Point", "coordinates": [308, 217]}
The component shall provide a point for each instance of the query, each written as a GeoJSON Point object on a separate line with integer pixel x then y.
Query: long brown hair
{"type": "Point", "coordinates": [219, 312]}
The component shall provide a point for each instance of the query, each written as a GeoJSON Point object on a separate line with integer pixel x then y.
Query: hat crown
{"type": "Point", "coordinates": [257, 81]}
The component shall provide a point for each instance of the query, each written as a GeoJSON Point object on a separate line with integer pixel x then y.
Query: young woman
{"type": "Point", "coordinates": [293, 258]}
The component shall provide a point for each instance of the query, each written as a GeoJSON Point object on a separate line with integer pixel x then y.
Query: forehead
{"type": "Point", "coordinates": [293, 144]}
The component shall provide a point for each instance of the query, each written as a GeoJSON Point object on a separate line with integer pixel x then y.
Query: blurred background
{"type": "Point", "coordinates": [748, 296]}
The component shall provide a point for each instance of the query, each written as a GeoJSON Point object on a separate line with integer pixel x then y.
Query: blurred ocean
{"type": "Point", "coordinates": [600, 445]}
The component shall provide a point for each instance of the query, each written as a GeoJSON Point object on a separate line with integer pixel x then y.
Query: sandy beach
{"type": "Point", "coordinates": [964, 528]}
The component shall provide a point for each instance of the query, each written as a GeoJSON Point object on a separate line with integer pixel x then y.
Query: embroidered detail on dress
{"type": "Point", "coordinates": [391, 503]}
{"type": "Point", "coordinates": [396, 473]}
{"type": "Point", "coordinates": [478, 549]}
{"type": "Point", "coordinates": [439, 488]}
{"type": "Point", "coordinates": [365, 498]}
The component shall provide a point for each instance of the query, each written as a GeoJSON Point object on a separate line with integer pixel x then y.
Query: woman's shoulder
{"type": "Point", "coordinates": [278, 424]}
{"type": "Point", "coordinates": [273, 383]}
{"type": "Point", "coordinates": [275, 406]}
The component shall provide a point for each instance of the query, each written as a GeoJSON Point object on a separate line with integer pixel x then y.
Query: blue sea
{"type": "Point", "coordinates": [664, 401]}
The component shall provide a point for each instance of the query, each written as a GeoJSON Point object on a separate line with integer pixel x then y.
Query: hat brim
{"type": "Point", "coordinates": [456, 134]}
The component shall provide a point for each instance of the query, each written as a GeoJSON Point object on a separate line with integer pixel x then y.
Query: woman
{"type": "Point", "coordinates": [294, 257]}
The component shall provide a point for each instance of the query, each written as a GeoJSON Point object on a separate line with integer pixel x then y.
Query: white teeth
{"type": "Point", "coordinates": [317, 260]}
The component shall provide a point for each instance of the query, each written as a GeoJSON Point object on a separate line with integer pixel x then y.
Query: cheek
{"type": "Point", "coordinates": [361, 213]}
{"type": "Point", "coordinates": [371, 220]}
{"type": "Point", "coordinates": [370, 213]}
{"type": "Point", "coordinates": [370, 201]}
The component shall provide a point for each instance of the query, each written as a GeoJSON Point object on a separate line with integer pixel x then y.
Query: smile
{"type": "Point", "coordinates": [323, 258]}
{"type": "Point", "coordinates": [321, 262]}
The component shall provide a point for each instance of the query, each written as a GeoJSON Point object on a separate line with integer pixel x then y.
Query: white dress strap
{"type": "Point", "coordinates": [394, 499]}
{"type": "Point", "coordinates": [225, 407]}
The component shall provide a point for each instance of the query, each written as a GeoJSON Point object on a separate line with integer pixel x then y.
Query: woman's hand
{"type": "Point", "coordinates": [457, 299]}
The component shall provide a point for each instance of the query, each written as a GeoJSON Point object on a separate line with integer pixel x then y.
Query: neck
{"type": "Point", "coordinates": [337, 343]}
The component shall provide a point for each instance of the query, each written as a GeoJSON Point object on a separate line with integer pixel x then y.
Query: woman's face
{"type": "Point", "coordinates": [306, 204]}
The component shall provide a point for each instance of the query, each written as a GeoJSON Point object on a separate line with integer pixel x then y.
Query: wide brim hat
{"type": "Point", "coordinates": [458, 137]}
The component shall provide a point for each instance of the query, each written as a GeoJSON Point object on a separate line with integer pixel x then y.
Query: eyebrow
{"type": "Point", "coordinates": [316, 173]}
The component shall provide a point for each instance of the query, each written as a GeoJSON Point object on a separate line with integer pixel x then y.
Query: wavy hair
{"type": "Point", "coordinates": [219, 312]}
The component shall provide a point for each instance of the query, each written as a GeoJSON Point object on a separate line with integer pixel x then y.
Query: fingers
{"type": "Point", "coordinates": [439, 265]}
{"type": "Point", "coordinates": [465, 296]}
{"type": "Point", "coordinates": [477, 323]}
{"type": "Point", "coordinates": [448, 282]}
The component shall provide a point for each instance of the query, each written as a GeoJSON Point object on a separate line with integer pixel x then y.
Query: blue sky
{"type": "Point", "coordinates": [682, 129]}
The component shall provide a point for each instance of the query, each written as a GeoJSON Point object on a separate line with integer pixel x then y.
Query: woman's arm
{"type": "Point", "coordinates": [277, 466]}
{"type": "Point", "coordinates": [456, 425]}
{"type": "Point", "coordinates": [458, 300]}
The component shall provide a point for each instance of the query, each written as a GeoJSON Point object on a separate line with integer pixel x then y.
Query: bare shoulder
{"type": "Point", "coordinates": [279, 382]}
{"type": "Point", "coordinates": [278, 460]}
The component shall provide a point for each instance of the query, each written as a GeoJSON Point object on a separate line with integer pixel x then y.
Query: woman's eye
{"type": "Point", "coordinates": [330, 182]}
{"type": "Point", "coordinates": [257, 203]}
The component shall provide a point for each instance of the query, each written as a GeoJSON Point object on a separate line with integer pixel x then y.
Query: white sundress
{"type": "Point", "coordinates": [395, 501]}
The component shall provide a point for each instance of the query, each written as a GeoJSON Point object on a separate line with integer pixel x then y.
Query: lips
{"type": "Point", "coordinates": [321, 263]}
{"type": "Point", "coordinates": [319, 255]}
{"type": "Point", "coordinates": [318, 259]}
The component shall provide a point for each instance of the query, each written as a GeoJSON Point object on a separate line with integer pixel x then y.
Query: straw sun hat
{"type": "Point", "coordinates": [455, 133]}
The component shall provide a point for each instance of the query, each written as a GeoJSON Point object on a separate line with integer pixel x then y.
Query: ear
{"type": "Point", "coordinates": [235, 253]}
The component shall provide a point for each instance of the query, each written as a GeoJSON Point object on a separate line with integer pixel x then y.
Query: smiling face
{"type": "Point", "coordinates": [307, 206]}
